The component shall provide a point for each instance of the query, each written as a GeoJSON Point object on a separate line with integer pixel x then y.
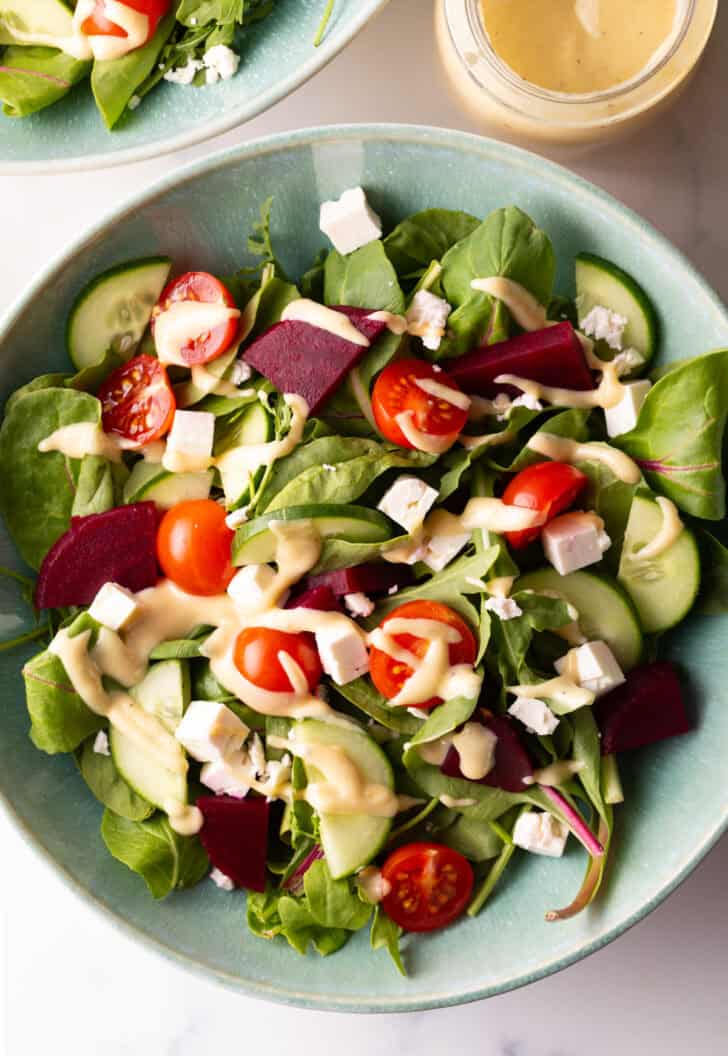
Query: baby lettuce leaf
{"type": "Point", "coordinates": [713, 597]}
{"type": "Point", "coordinates": [115, 81]}
{"type": "Point", "coordinates": [426, 236]}
{"type": "Point", "coordinates": [39, 489]}
{"type": "Point", "coordinates": [678, 439]}
{"type": "Point", "coordinates": [100, 774]}
{"type": "Point", "coordinates": [33, 78]}
{"type": "Point", "coordinates": [385, 934]}
{"type": "Point", "coordinates": [165, 860]}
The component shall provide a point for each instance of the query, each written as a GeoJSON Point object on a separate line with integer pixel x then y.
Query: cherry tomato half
{"type": "Point", "coordinates": [550, 487]}
{"type": "Point", "coordinates": [430, 886]}
{"type": "Point", "coordinates": [200, 286]}
{"type": "Point", "coordinates": [193, 547]}
{"type": "Point", "coordinates": [256, 658]}
{"type": "Point", "coordinates": [137, 401]}
{"type": "Point", "coordinates": [99, 25]}
{"type": "Point", "coordinates": [389, 675]}
{"type": "Point", "coordinates": [396, 390]}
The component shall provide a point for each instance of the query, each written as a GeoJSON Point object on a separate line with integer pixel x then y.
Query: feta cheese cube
{"type": "Point", "coordinates": [534, 714]}
{"type": "Point", "coordinates": [427, 318]}
{"type": "Point", "coordinates": [359, 604]}
{"type": "Point", "coordinates": [540, 833]}
{"type": "Point", "coordinates": [210, 731]}
{"type": "Point", "coordinates": [504, 608]}
{"type": "Point", "coordinates": [573, 541]}
{"type": "Point", "coordinates": [221, 880]}
{"type": "Point", "coordinates": [343, 654]}
{"type": "Point", "coordinates": [228, 777]}
{"type": "Point", "coordinates": [593, 666]}
{"type": "Point", "coordinates": [408, 501]}
{"type": "Point", "coordinates": [101, 743]}
{"type": "Point", "coordinates": [441, 549]}
{"type": "Point", "coordinates": [190, 441]}
{"type": "Point", "coordinates": [604, 325]}
{"type": "Point", "coordinates": [114, 607]}
{"type": "Point", "coordinates": [221, 63]}
{"type": "Point", "coordinates": [350, 222]}
{"type": "Point", "coordinates": [249, 587]}
{"type": "Point", "coordinates": [623, 416]}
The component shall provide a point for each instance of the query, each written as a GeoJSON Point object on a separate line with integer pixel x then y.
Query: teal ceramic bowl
{"type": "Point", "coordinates": [677, 804]}
{"type": "Point", "coordinates": [277, 57]}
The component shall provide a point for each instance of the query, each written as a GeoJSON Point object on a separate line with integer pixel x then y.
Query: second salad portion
{"type": "Point", "coordinates": [353, 587]}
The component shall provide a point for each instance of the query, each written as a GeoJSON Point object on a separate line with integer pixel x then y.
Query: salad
{"type": "Point", "coordinates": [352, 589]}
{"type": "Point", "coordinates": [124, 47]}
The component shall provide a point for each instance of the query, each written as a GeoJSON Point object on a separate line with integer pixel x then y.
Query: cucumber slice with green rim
{"type": "Point", "coordinates": [599, 282]}
{"type": "Point", "coordinates": [255, 543]}
{"type": "Point", "coordinates": [253, 426]}
{"type": "Point", "coordinates": [350, 841]}
{"type": "Point", "coordinates": [114, 310]}
{"type": "Point", "coordinates": [149, 481]}
{"type": "Point", "coordinates": [605, 610]}
{"type": "Point", "coordinates": [663, 588]}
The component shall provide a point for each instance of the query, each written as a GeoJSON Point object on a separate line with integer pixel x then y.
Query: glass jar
{"type": "Point", "coordinates": [514, 109]}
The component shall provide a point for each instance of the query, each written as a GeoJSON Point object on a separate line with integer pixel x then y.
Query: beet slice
{"type": "Point", "coordinates": [553, 356]}
{"type": "Point", "coordinates": [646, 708]}
{"type": "Point", "coordinates": [235, 836]}
{"type": "Point", "coordinates": [368, 578]}
{"type": "Point", "coordinates": [301, 358]}
{"type": "Point", "coordinates": [117, 546]}
{"type": "Point", "coordinates": [320, 597]}
{"type": "Point", "coordinates": [512, 763]}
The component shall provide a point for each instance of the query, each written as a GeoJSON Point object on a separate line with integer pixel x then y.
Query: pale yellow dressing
{"type": "Point", "coordinates": [187, 321]}
{"type": "Point", "coordinates": [495, 516]}
{"type": "Point", "coordinates": [304, 310]}
{"type": "Point", "coordinates": [475, 745]}
{"type": "Point", "coordinates": [84, 438]}
{"type": "Point", "coordinates": [471, 443]}
{"type": "Point", "coordinates": [443, 392]}
{"type": "Point", "coordinates": [527, 312]}
{"type": "Point", "coordinates": [434, 445]}
{"type": "Point", "coordinates": [668, 534]}
{"type": "Point", "coordinates": [396, 324]}
{"type": "Point", "coordinates": [339, 786]}
{"type": "Point", "coordinates": [453, 803]}
{"type": "Point", "coordinates": [561, 690]}
{"type": "Point", "coordinates": [563, 449]}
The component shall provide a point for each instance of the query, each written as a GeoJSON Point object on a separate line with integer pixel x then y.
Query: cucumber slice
{"type": "Point", "coordinates": [255, 426]}
{"type": "Point", "coordinates": [43, 18]}
{"type": "Point", "coordinates": [350, 841]}
{"type": "Point", "coordinates": [665, 587]}
{"type": "Point", "coordinates": [164, 692]}
{"type": "Point", "coordinates": [114, 310]}
{"type": "Point", "coordinates": [605, 610]}
{"type": "Point", "coordinates": [187, 393]}
{"type": "Point", "coordinates": [254, 542]}
{"type": "Point", "coordinates": [599, 282]}
{"type": "Point", "coordinates": [148, 480]}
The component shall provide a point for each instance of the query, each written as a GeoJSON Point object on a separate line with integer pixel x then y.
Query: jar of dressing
{"type": "Point", "coordinates": [569, 72]}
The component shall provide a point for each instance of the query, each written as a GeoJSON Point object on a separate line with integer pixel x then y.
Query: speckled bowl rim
{"type": "Point", "coordinates": [321, 56]}
{"type": "Point", "coordinates": [437, 137]}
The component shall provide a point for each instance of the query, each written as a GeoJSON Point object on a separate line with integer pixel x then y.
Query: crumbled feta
{"type": "Point", "coordinates": [527, 400]}
{"type": "Point", "coordinates": [393, 590]}
{"type": "Point", "coordinates": [192, 435]}
{"type": "Point", "coordinates": [240, 372]}
{"type": "Point", "coordinates": [359, 604]}
{"type": "Point", "coordinates": [540, 833]}
{"type": "Point", "coordinates": [350, 222]}
{"type": "Point", "coordinates": [343, 654]}
{"type": "Point", "coordinates": [237, 517]}
{"type": "Point", "coordinates": [228, 777]}
{"type": "Point", "coordinates": [328, 467]}
{"type": "Point", "coordinates": [114, 607]}
{"type": "Point", "coordinates": [221, 880]}
{"type": "Point", "coordinates": [623, 416]}
{"type": "Point", "coordinates": [573, 541]}
{"type": "Point", "coordinates": [221, 63]}
{"type": "Point", "coordinates": [604, 325]}
{"type": "Point", "coordinates": [101, 743]}
{"type": "Point", "coordinates": [134, 102]}
{"type": "Point", "coordinates": [408, 501]}
{"type": "Point", "coordinates": [534, 714]}
{"type": "Point", "coordinates": [504, 608]}
{"type": "Point", "coordinates": [372, 884]}
{"type": "Point", "coordinates": [441, 549]}
{"type": "Point", "coordinates": [627, 361]}
{"type": "Point", "coordinates": [184, 74]}
{"type": "Point", "coordinates": [419, 713]}
{"type": "Point", "coordinates": [210, 731]}
{"type": "Point", "coordinates": [250, 586]}
{"type": "Point", "coordinates": [594, 666]}
{"type": "Point", "coordinates": [427, 318]}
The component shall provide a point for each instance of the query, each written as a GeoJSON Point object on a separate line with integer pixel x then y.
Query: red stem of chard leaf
{"type": "Point", "coordinates": [588, 889]}
{"type": "Point", "coordinates": [575, 822]}
{"type": "Point", "coordinates": [294, 883]}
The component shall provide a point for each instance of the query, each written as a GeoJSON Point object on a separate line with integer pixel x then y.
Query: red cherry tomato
{"type": "Point", "coordinates": [550, 487]}
{"type": "Point", "coordinates": [193, 547]}
{"type": "Point", "coordinates": [430, 886]}
{"type": "Point", "coordinates": [389, 675]}
{"type": "Point", "coordinates": [98, 24]}
{"type": "Point", "coordinates": [200, 286]}
{"type": "Point", "coordinates": [396, 390]}
{"type": "Point", "coordinates": [137, 401]}
{"type": "Point", "coordinates": [256, 658]}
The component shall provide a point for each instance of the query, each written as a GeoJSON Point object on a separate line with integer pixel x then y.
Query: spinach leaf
{"type": "Point", "coordinates": [165, 860]}
{"type": "Point", "coordinates": [426, 236]}
{"type": "Point", "coordinates": [39, 488]}
{"type": "Point", "coordinates": [678, 439]}
{"type": "Point", "coordinates": [115, 81]}
{"type": "Point", "coordinates": [511, 639]}
{"type": "Point", "coordinates": [572, 423]}
{"type": "Point", "coordinates": [586, 749]}
{"type": "Point", "coordinates": [312, 280]}
{"type": "Point", "coordinates": [385, 934]}
{"type": "Point", "coordinates": [100, 774]}
{"type": "Point", "coordinates": [33, 78]}
{"type": "Point", "coordinates": [341, 553]}
{"type": "Point", "coordinates": [43, 381]}
{"type": "Point", "coordinates": [99, 486]}
{"type": "Point", "coordinates": [275, 296]}
{"type": "Point", "coordinates": [88, 379]}
{"type": "Point", "coordinates": [300, 928]}
{"type": "Point", "coordinates": [612, 500]}
{"type": "Point", "coordinates": [444, 719]}
{"type": "Point", "coordinates": [494, 874]}
{"type": "Point", "coordinates": [362, 694]}
{"type": "Point", "coordinates": [713, 596]}
{"type": "Point", "coordinates": [334, 903]}
{"type": "Point", "coordinates": [473, 838]}
{"type": "Point", "coordinates": [329, 450]}
{"type": "Point", "coordinates": [363, 279]}
{"type": "Point", "coordinates": [489, 804]}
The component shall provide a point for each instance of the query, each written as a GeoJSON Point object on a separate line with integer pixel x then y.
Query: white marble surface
{"type": "Point", "coordinates": [69, 983]}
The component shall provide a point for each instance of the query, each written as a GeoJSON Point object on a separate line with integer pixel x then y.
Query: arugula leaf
{"type": "Point", "coordinates": [100, 774]}
{"type": "Point", "coordinates": [341, 553]}
{"type": "Point", "coordinates": [678, 439]}
{"type": "Point", "coordinates": [385, 934]}
{"type": "Point", "coordinates": [494, 874]}
{"type": "Point", "coordinates": [713, 596]}
{"type": "Point", "coordinates": [426, 236]}
{"type": "Point", "coordinates": [33, 78]}
{"type": "Point", "coordinates": [165, 860]}
{"type": "Point", "coordinates": [115, 81]}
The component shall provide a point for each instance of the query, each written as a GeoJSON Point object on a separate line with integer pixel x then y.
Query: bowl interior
{"type": "Point", "coordinates": [675, 808]}
{"type": "Point", "coordinates": [277, 55]}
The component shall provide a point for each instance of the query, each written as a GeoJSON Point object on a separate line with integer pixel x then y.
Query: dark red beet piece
{"type": "Point", "coordinates": [319, 597]}
{"type": "Point", "coordinates": [648, 707]}
{"type": "Point", "coordinates": [235, 836]}
{"type": "Point", "coordinates": [512, 763]}
{"type": "Point", "coordinates": [118, 546]}
{"type": "Point", "coordinates": [301, 358]}
{"type": "Point", "coordinates": [553, 356]}
{"type": "Point", "coordinates": [369, 578]}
